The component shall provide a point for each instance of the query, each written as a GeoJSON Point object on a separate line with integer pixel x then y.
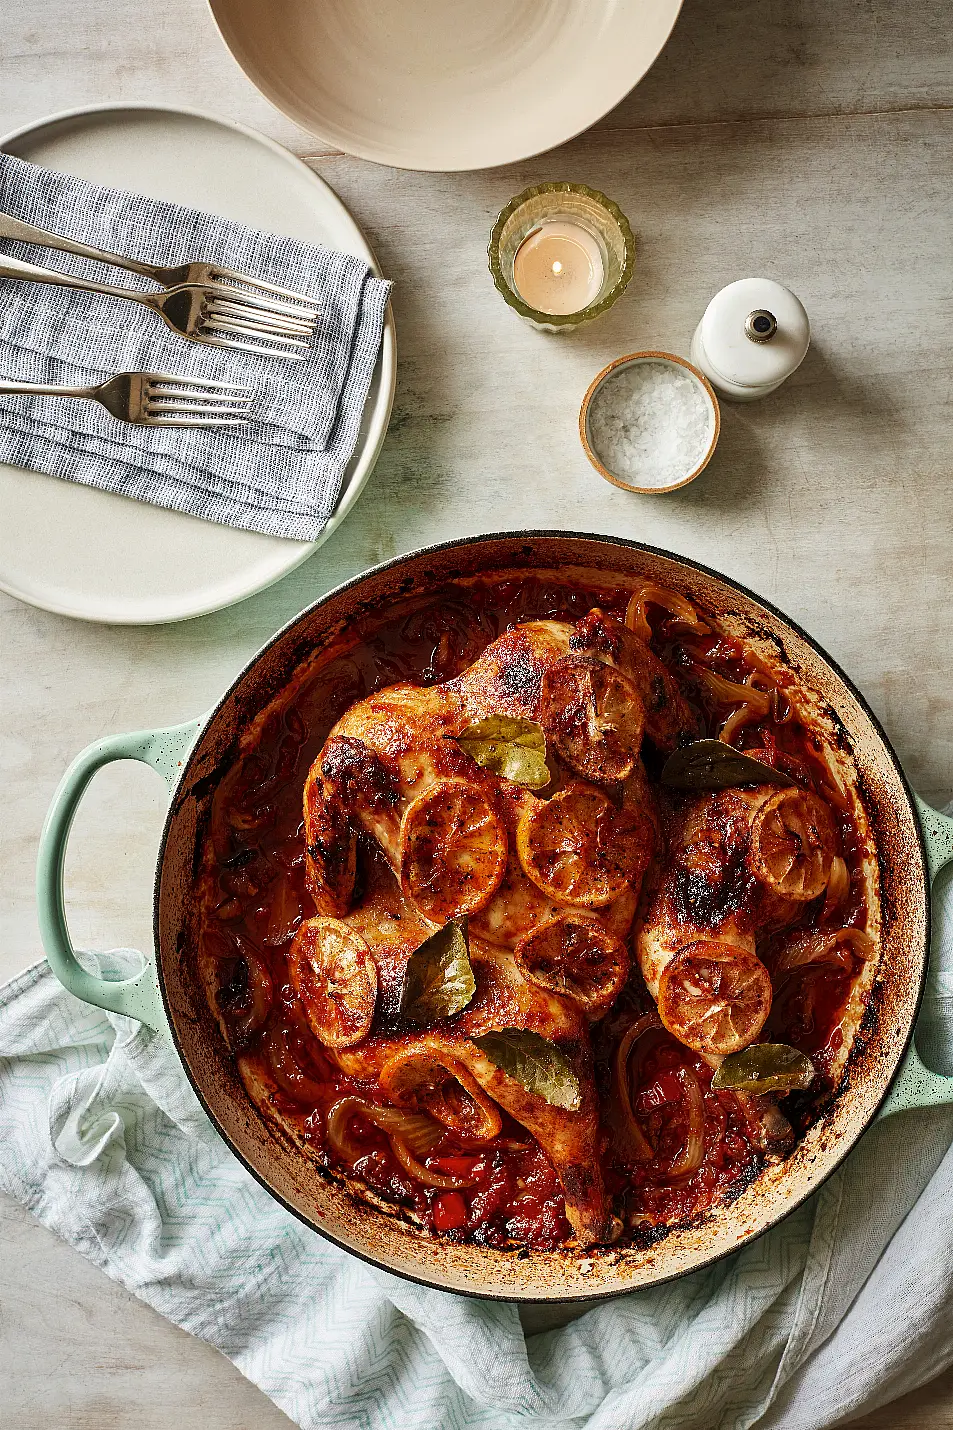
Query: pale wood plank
{"type": "Point", "coordinates": [745, 58]}
{"type": "Point", "coordinates": [832, 498]}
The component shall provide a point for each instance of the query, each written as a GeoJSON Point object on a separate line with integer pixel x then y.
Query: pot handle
{"type": "Point", "coordinates": [916, 1085]}
{"type": "Point", "coordinates": [165, 750]}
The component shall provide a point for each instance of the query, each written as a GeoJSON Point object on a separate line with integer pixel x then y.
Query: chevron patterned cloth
{"type": "Point", "coordinates": [844, 1306]}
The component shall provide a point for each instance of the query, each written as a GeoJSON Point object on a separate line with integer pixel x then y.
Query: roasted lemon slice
{"type": "Point", "coordinates": [792, 844]}
{"type": "Point", "coordinates": [452, 850]}
{"type": "Point", "coordinates": [714, 997]}
{"type": "Point", "coordinates": [576, 957]}
{"type": "Point", "coordinates": [579, 849]}
{"type": "Point", "coordinates": [335, 978]}
{"type": "Point", "coordinates": [594, 717]}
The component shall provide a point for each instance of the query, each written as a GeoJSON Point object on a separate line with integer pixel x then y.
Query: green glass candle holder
{"type": "Point", "coordinates": [602, 219]}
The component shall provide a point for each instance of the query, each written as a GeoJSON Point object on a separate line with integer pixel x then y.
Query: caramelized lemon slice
{"type": "Point", "coordinates": [335, 978]}
{"type": "Point", "coordinates": [452, 850]}
{"type": "Point", "coordinates": [792, 844]}
{"type": "Point", "coordinates": [579, 849]}
{"type": "Point", "coordinates": [594, 717]}
{"type": "Point", "coordinates": [578, 958]}
{"type": "Point", "coordinates": [714, 997]}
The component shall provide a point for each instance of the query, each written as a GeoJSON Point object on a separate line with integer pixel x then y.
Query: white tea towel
{"type": "Point", "coordinates": [845, 1305]}
{"type": "Point", "coordinates": [279, 474]}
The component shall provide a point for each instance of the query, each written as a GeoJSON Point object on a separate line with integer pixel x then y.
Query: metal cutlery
{"type": "Point", "coordinates": [220, 316]}
{"type": "Point", "coordinates": [172, 276]}
{"type": "Point", "coordinates": [155, 399]}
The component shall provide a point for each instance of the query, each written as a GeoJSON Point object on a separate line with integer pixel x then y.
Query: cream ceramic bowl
{"type": "Point", "coordinates": [445, 84]}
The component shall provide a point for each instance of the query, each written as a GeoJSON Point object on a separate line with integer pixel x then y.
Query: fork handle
{"type": "Point", "coordinates": [43, 389]}
{"type": "Point", "coordinates": [21, 232]}
{"type": "Point", "coordinates": [31, 272]}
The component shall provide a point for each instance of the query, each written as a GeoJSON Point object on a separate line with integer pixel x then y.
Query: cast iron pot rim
{"type": "Point", "coordinates": [536, 535]}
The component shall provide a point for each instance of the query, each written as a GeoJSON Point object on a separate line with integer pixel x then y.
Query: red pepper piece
{"type": "Point", "coordinates": [449, 1211]}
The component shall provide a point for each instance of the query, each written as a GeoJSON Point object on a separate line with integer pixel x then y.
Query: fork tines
{"type": "Point", "coordinates": [290, 313]}
{"type": "Point", "coordinates": [171, 401]}
{"type": "Point", "coordinates": [231, 314]}
{"type": "Point", "coordinates": [299, 302]}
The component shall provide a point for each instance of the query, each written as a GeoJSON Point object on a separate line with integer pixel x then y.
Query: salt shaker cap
{"type": "Point", "coordinates": [742, 345]}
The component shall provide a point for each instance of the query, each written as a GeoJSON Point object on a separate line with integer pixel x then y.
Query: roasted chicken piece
{"type": "Point", "coordinates": [461, 840]}
{"type": "Point", "coordinates": [668, 718]}
{"type": "Point", "coordinates": [549, 885]}
{"type": "Point", "coordinates": [741, 863]}
{"type": "Point", "coordinates": [348, 974]}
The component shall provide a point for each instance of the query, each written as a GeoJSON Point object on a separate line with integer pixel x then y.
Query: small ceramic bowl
{"type": "Point", "coordinates": [608, 374]}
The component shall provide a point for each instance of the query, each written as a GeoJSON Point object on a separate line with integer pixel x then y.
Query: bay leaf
{"type": "Point", "coordinates": [765, 1067]}
{"type": "Point", "coordinates": [536, 1063]}
{"type": "Point", "coordinates": [507, 746]}
{"type": "Point", "coordinates": [438, 979]}
{"type": "Point", "coordinates": [711, 765]}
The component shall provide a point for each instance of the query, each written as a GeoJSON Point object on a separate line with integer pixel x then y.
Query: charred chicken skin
{"type": "Point", "coordinates": [742, 863]}
{"type": "Point", "coordinates": [549, 885]}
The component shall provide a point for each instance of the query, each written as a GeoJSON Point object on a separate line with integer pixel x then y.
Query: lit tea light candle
{"type": "Point", "coordinates": [558, 268]}
{"type": "Point", "coordinates": [561, 254]}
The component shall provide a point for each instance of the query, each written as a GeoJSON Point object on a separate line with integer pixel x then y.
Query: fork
{"type": "Point", "coordinates": [155, 399]}
{"type": "Point", "coordinates": [219, 316]}
{"type": "Point", "coordinates": [204, 274]}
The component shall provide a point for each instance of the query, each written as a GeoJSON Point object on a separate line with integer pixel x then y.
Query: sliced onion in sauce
{"type": "Point", "coordinates": [834, 790]}
{"type": "Point", "coordinates": [751, 709]}
{"type": "Point", "coordinates": [742, 716]}
{"type": "Point", "coordinates": [633, 1140]}
{"type": "Point", "coordinates": [838, 887]}
{"type": "Point", "coordinates": [261, 989]}
{"type": "Point", "coordinates": [838, 949]}
{"type": "Point", "coordinates": [671, 601]}
{"type": "Point", "coordinates": [417, 1130]}
{"type": "Point", "coordinates": [442, 1180]}
{"type": "Point", "coordinates": [253, 1005]}
{"type": "Point", "coordinates": [730, 692]}
{"type": "Point", "coordinates": [284, 917]}
{"type": "Point", "coordinates": [337, 1132]}
{"type": "Point", "coordinates": [409, 1133]}
{"type": "Point", "coordinates": [690, 1158]}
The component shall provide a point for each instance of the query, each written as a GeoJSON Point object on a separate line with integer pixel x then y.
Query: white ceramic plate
{"type": "Point", "coordinates": [87, 553]}
{"type": "Point", "coordinates": [445, 84]}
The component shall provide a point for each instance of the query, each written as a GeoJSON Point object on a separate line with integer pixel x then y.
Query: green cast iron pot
{"type": "Point", "coordinates": [883, 1074]}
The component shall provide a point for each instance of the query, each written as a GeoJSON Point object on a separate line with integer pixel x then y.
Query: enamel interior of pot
{"type": "Point", "coordinates": [385, 1239]}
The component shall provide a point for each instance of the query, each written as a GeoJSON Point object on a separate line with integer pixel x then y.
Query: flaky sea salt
{"type": "Point", "coordinates": [651, 423]}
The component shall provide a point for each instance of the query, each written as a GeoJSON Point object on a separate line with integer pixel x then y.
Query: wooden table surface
{"type": "Point", "coordinates": [807, 141]}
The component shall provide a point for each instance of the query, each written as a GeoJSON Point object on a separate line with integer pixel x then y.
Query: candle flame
{"type": "Point", "coordinates": [557, 267]}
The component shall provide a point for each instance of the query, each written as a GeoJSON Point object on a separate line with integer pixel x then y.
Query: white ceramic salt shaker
{"type": "Point", "coordinates": [752, 336]}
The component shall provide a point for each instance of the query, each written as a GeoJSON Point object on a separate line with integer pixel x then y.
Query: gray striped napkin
{"type": "Point", "coordinates": [279, 474]}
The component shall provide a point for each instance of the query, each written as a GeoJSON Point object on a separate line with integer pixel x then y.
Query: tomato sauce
{"type": "Point", "coordinates": [504, 1191]}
